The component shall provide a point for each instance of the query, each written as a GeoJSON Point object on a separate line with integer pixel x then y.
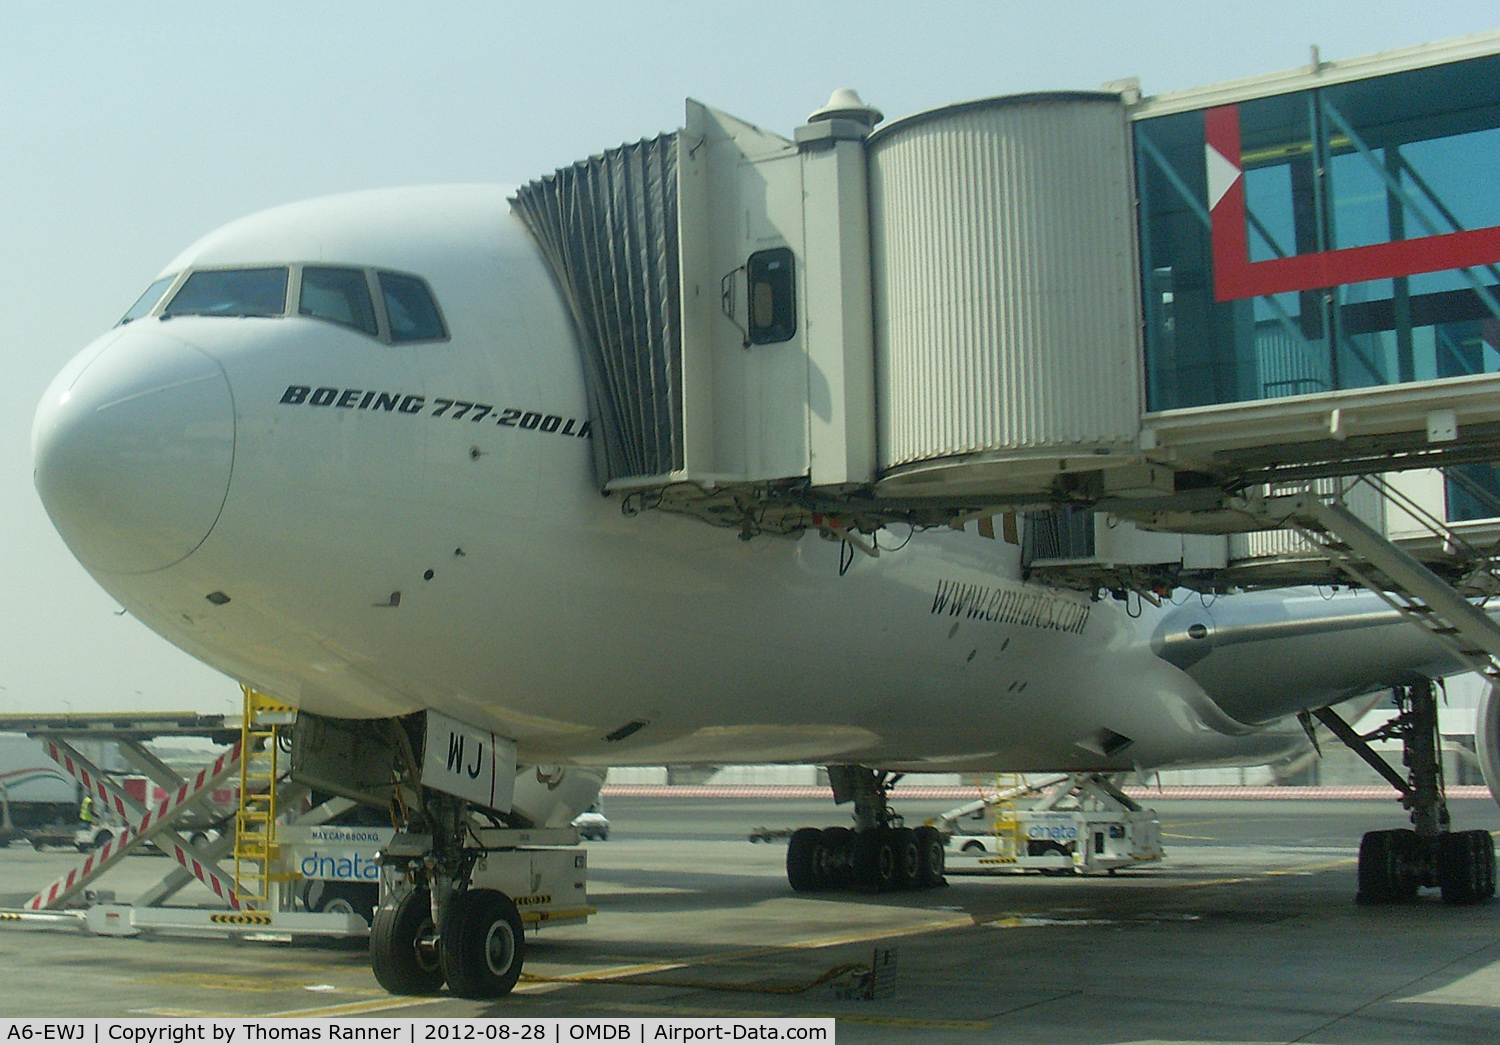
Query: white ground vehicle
{"type": "Point", "coordinates": [592, 824]}
{"type": "Point", "coordinates": [92, 836]}
{"type": "Point", "coordinates": [337, 865]}
{"type": "Point", "coordinates": [1082, 824]}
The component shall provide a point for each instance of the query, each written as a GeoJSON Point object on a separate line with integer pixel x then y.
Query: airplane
{"type": "Point", "coordinates": [341, 451]}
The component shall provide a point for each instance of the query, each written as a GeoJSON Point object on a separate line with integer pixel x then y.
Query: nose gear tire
{"type": "Point", "coordinates": [483, 945]}
{"type": "Point", "coordinates": [403, 954]}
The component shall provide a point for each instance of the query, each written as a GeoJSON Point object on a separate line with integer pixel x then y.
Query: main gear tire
{"type": "Point", "coordinates": [801, 857]}
{"type": "Point", "coordinates": [908, 857]}
{"type": "Point", "coordinates": [1388, 867]}
{"type": "Point", "coordinates": [875, 861]}
{"type": "Point", "coordinates": [933, 858]}
{"type": "Point", "coordinates": [833, 862]}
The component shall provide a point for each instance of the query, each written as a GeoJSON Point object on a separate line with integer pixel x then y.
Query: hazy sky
{"type": "Point", "coordinates": [127, 131]}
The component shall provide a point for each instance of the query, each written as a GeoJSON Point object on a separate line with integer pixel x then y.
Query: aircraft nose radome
{"type": "Point", "coordinates": [132, 454]}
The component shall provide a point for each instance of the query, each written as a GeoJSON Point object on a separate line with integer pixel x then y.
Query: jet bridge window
{"type": "Point", "coordinates": [147, 301]}
{"type": "Point", "coordinates": [231, 292]}
{"type": "Point", "coordinates": [1320, 240]}
{"type": "Point", "coordinates": [409, 307]}
{"type": "Point", "coordinates": [773, 296]}
{"type": "Point", "coordinates": [339, 295]}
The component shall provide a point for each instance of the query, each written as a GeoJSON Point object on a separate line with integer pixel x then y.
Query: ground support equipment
{"type": "Point", "coordinates": [176, 820]}
{"type": "Point", "coordinates": [1082, 824]}
{"type": "Point", "coordinates": [141, 825]}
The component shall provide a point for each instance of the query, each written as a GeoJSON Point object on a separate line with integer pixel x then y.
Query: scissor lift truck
{"type": "Point", "coordinates": [315, 877]}
{"type": "Point", "coordinates": [1082, 824]}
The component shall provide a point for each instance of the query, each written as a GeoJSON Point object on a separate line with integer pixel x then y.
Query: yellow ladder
{"type": "Point", "coordinates": [256, 853]}
{"type": "Point", "coordinates": [1004, 822]}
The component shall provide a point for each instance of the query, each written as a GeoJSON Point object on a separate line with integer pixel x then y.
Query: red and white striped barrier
{"type": "Point", "coordinates": [93, 781]}
{"type": "Point", "coordinates": [140, 825]}
{"type": "Point", "coordinates": [222, 887]}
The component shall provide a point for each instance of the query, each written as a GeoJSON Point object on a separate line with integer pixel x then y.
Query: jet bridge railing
{"type": "Point", "coordinates": [1406, 584]}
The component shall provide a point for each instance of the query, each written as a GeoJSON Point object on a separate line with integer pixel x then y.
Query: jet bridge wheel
{"type": "Point", "coordinates": [403, 946]}
{"type": "Point", "coordinates": [483, 944]}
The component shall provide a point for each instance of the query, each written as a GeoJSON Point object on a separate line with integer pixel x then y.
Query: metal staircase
{"type": "Point", "coordinates": [256, 852]}
{"type": "Point", "coordinates": [1411, 588]}
{"type": "Point", "coordinates": [1005, 824]}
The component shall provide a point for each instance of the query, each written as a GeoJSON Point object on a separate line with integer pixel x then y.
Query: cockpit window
{"type": "Point", "coordinates": [339, 295]}
{"type": "Point", "coordinates": [409, 306]}
{"type": "Point", "coordinates": [231, 292]}
{"type": "Point", "coordinates": [147, 301]}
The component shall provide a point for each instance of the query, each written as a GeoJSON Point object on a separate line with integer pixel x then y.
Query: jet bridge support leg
{"type": "Point", "coordinates": [879, 854]}
{"type": "Point", "coordinates": [1394, 864]}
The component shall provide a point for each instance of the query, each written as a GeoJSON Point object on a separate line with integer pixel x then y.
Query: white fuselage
{"type": "Point", "coordinates": [372, 551]}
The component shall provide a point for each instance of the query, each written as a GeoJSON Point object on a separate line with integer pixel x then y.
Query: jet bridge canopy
{"type": "Point", "coordinates": [608, 229]}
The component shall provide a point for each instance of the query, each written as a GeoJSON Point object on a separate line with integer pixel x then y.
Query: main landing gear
{"type": "Point", "coordinates": [1393, 865]}
{"type": "Point", "coordinates": [877, 855]}
{"type": "Point", "coordinates": [435, 926]}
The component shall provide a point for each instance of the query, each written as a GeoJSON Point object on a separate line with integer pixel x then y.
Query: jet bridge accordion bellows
{"type": "Point", "coordinates": [608, 229]}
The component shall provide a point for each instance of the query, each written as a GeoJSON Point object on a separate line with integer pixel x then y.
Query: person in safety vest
{"type": "Point", "coordinates": [86, 809]}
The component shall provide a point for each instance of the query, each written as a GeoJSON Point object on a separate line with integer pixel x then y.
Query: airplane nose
{"type": "Point", "coordinates": [132, 452]}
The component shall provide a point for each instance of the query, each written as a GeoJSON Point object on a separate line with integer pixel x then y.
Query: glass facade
{"type": "Point", "coordinates": [1335, 238]}
{"type": "Point", "coordinates": [1472, 492]}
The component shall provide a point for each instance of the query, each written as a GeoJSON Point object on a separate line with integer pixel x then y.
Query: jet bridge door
{"type": "Point", "coordinates": [745, 381]}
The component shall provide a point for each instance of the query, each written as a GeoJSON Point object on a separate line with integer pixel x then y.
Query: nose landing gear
{"type": "Point", "coordinates": [404, 946]}
{"type": "Point", "coordinates": [435, 927]}
{"type": "Point", "coordinates": [482, 945]}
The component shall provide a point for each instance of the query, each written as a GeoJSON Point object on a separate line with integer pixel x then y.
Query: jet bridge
{"type": "Point", "coordinates": [1145, 307]}
{"type": "Point", "coordinates": [1113, 324]}
{"type": "Point", "coordinates": [1118, 326]}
